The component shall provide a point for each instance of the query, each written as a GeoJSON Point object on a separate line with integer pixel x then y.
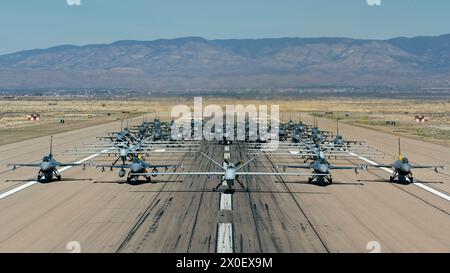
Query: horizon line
{"type": "Point", "coordinates": [224, 39]}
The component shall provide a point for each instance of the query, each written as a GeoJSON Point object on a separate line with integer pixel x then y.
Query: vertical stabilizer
{"type": "Point", "coordinates": [51, 146]}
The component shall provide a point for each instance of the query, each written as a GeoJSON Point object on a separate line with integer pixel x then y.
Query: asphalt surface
{"type": "Point", "coordinates": [96, 211]}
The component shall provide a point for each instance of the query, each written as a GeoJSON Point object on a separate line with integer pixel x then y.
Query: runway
{"type": "Point", "coordinates": [357, 213]}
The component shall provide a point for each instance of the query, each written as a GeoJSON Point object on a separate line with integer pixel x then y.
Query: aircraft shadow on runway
{"type": "Point", "coordinates": [335, 183]}
{"type": "Point", "coordinates": [50, 181]}
{"type": "Point", "coordinates": [397, 182]}
{"type": "Point", "coordinates": [136, 183]}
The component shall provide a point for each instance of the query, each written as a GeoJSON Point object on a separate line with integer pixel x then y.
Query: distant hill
{"type": "Point", "coordinates": [192, 63]}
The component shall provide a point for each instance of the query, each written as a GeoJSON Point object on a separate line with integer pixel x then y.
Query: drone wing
{"type": "Point", "coordinates": [275, 173]}
{"type": "Point", "coordinates": [192, 173]}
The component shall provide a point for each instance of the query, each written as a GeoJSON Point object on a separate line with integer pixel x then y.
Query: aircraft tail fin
{"type": "Point", "coordinates": [337, 126]}
{"type": "Point", "coordinates": [51, 146]}
{"type": "Point", "coordinates": [400, 156]}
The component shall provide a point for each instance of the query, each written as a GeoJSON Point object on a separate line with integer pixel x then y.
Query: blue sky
{"type": "Point", "coordinates": [27, 24]}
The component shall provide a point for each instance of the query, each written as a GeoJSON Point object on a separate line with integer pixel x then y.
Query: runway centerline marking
{"type": "Point", "coordinates": [225, 238]}
{"type": "Point", "coordinates": [31, 183]}
{"type": "Point", "coordinates": [224, 242]}
{"type": "Point", "coordinates": [418, 184]}
{"type": "Point", "coordinates": [225, 202]}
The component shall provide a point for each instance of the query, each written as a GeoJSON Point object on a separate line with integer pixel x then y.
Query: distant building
{"type": "Point", "coordinates": [420, 119]}
{"type": "Point", "coordinates": [34, 117]}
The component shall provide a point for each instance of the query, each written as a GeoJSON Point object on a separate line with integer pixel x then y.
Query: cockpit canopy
{"type": "Point", "coordinates": [405, 160]}
{"type": "Point", "coordinates": [46, 158]}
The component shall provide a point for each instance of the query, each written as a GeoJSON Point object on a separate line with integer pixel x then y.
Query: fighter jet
{"type": "Point", "coordinates": [226, 138]}
{"type": "Point", "coordinates": [282, 133]}
{"type": "Point", "coordinates": [138, 167]}
{"type": "Point", "coordinates": [321, 168]}
{"type": "Point", "coordinates": [402, 168]}
{"type": "Point", "coordinates": [124, 135]}
{"type": "Point", "coordinates": [48, 167]}
{"type": "Point", "coordinates": [230, 172]}
{"type": "Point", "coordinates": [339, 141]}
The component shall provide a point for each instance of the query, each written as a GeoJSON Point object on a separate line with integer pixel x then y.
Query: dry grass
{"type": "Point", "coordinates": [370, 113]}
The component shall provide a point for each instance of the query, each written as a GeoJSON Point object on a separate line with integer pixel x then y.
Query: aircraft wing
{"type": "Point", "coordinates": [192, 173]}
{"type": "Point", "coordinates": [162, 166]}
{"type": "Point", "coordinates": [301, 166]}
{"type": "Point", "coordinates": [121, 166]}
{"type": "Point", "coordinates": [24, 165]}
{"type": "Point", "coordinates": [343, 167]}
{"type": "Point", "coordinates": [354, 142]}
{"type": "Point", "coordinates": [274, 173]}
{"type": "Point", "coordinates": [237, 173]}
{"type": "Point", "coordinates": [70, 164]}
{"type": "Point", "coordinates": [426, 167]}
{"type": "Point", "coordinates": [382, 166]}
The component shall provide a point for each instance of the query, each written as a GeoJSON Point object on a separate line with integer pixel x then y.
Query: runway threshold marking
{"type": "Point", "coordinates": [31, 183]}
{"type": "Point", "coordinates": [418, 184]}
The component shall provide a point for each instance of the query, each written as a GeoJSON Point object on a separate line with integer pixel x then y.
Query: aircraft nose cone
{"type": "Point", "coordinates": [45, 166]}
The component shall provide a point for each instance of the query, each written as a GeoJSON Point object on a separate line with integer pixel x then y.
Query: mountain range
{"type": "Point", "coordinates": [196, 63]}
